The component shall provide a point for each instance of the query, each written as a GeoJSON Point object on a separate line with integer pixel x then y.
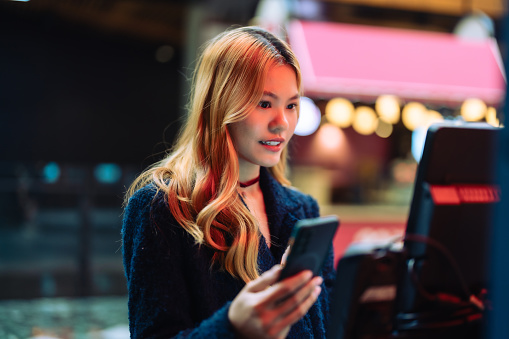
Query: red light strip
{"type": "Point", "coordinates": [465, 194]}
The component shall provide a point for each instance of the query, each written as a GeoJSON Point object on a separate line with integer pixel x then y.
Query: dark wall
{"type": "Point", "coordinates": [74, 94]}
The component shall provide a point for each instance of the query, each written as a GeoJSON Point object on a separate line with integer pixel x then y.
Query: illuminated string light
{"type": "Point", "coordinates": [365, 120]}
{"type": "Point", "coordinates": [383, 129]}
{"type": "Point", "coordinates": [414, 115]}
{"type": "Point", "coordinates": [432, 117]}
{"type": "Point", "coordinates": [473, 109]}
{"type": "Point", "coordinates": [388, 108]}
{"type": "Point", "coordinates": [491, 117]}
{"type": "Point", "coordinates": [339, 111]}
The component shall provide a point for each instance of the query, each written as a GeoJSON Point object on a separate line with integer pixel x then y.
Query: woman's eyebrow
{"type": "Point", "coordinates": [274, 96]}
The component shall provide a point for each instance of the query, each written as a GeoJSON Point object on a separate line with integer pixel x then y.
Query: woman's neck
{"type": "Point", "coordinates": [249, 174]}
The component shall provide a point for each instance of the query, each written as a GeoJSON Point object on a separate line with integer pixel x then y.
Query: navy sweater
{"type": "Point", "coordinates": [173, 292]}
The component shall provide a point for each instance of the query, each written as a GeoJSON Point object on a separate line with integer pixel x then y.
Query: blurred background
{"type": "Point", "coordinates": [92, 92]}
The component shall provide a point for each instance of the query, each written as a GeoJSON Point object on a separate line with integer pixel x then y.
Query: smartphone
{"type": "Point", "coordinates": [309, 243]}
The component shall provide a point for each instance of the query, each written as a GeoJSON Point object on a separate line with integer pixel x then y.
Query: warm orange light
{"type": "Point", "coordinates": [339, 111]}
{"type": "Point", "coordinates": [383, 129]}
{"type": "Point", "coordinates": [491, 117]}
{"type": "Point", "coordinates": [414, 115]}
{"type": "Point", "coordinates": [388, 108]}
{"type": "Point", "coordinates": [365, 121]}
{"type": "Point", "coordinates": [473, 109]}
{"type": "Point", "coordinates": [330, 136]}
{"type": "Point", "coordinates": [432, 117]}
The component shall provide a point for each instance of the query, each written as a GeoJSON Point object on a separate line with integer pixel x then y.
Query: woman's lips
{"type": "Point", "coordinates": [273, 145]}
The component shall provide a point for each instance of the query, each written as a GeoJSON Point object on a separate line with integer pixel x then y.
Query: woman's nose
{"type": "Point", "coordinates": [279, 122]}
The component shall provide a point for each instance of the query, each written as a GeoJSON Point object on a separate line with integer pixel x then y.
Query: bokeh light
{"type": "Point", "coordinates": [365, 120]}
{"type": "Point", "coordinates": [330, 136]}
{"type": "Point", "coordinates": [339, 111]}
{"type": "Point", "coordinates": [491, 117]}
{"type": "Point", "coordinates": [164, 53]}
{"type": "Point", "coordinates": [418, 140]}
{"type": "Point", "coordinates": [388, 108]}
{"type": "Point", "coordinates": [309, 118]}
{"type": "Point", "coordinates": [51, 172]}
{"type": "Point", "coordinates": [383, 129]}
{"type": "Point", "coordinates": [107, 173]}
{"type": "Point", "coordinates": [432, 117]}
{"type": "Point", "coordinates": [414, 115]}
{"type": "Point", "coordinates": [473, 109]}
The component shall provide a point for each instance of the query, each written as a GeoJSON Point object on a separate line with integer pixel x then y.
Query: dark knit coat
{"type": "Point", "coordinates": [173, 292]}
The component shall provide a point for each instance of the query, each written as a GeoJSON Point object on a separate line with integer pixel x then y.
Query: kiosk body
{"type": "Point", "coordinates": [442, 272]}
{"type": "Point", "coordinates": [448, 234]}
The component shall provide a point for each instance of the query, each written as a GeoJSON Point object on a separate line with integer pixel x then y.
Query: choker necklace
{"type": "Point", "coordinates": [250, 182]}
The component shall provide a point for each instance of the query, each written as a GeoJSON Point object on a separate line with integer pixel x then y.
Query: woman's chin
{"type": "Point", "coordinates": [270, 163]}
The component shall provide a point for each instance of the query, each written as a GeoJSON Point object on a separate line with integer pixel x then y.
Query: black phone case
{"type": "Point", "coordinates": [309, 245]}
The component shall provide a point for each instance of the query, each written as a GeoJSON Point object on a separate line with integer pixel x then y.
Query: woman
{"type": "Point", "coordinates": [203, 224]}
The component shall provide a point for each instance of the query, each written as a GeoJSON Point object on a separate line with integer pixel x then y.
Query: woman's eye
{"type": "Point", "coordinates": [264, 104]}
{"type": "Point", "coordinates": [291, 106]}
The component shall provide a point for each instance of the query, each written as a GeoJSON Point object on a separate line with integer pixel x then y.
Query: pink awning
{"type": "Point", "coordinates": [362, 62]}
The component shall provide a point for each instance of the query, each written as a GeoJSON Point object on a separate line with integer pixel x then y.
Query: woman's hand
{"type": "Point", "coordinates": [285, 256]}
{"type": "Point", "coordinates": [265, 308]}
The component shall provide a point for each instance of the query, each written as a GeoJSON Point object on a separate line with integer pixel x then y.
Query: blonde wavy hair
{"type": "Point", "coordinates": [200, 173]}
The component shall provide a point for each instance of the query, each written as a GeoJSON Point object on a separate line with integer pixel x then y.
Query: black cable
{"type": "Point", "coordinates": [465, 309]}
{"type": "Point", "coordinates": [445, 252]}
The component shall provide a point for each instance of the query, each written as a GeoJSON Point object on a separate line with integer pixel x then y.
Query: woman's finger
{"type": "Point", "coordinates": [298, 311]}
{"type": "Point", "coordinates": [272, 309]}
{"type": "Point", "coordinates": [284, 289]}
{"type": "Point", "coordinates": [265, 280]}
{"type": "Point", "coordinates": [285, 256]}
{"type": "Point", "coordinates": [297, 299]}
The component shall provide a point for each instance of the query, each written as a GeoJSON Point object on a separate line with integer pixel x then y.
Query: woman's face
{"type": "Point", "coordinates": [260, 138]}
